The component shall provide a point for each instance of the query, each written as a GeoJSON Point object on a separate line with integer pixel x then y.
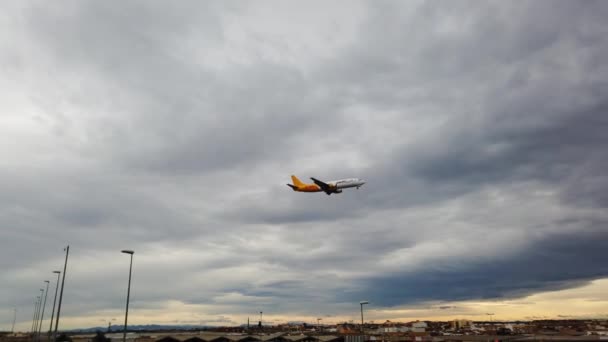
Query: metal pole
{"type": "Point", "coordinates": [43, 307]}
{"type": "Point", "coordinates": [38, 312]}
{"type": "Point", "coordinates": [54, 301]}
{"type": "Point", "coordinates": [33, 315]}
{"type": "Point", "coordinates": [361, 314]}
{"type": "Point", "coordinates": [14, 320]}
{"type": "Point", "coordinates": [124, 334]}
{"type": "Point", "coordinates": [35, 312]}
{"type": "Point", "coordinates": [362, 303]}
{"type": "Point", "coordinates": [67, 251]}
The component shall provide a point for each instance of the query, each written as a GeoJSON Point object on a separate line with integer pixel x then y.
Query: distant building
{"type": "Point", "coordinates": [389, 327]}
{"type": "Point", "coordinates": [458, 324]}
{"type": "Point", "coordinates": [419, 327]}
{"type": "Point", "coordinates": [347, 328]}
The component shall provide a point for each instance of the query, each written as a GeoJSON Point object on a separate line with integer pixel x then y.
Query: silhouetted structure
{"type": "Point", "coordinates": [64, 338]}
{"type": "Point", "coordinates": [100, 337]}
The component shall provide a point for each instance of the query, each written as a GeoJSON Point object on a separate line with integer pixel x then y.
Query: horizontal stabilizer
{"type": "Point", "coordinates": [293, 187]}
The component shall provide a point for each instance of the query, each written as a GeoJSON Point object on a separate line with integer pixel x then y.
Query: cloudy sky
{"type": "Point", "coordinates": [172, 128]}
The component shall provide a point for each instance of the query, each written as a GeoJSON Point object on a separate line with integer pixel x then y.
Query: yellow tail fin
{"type": "Point", "coordinates": [296, 181]}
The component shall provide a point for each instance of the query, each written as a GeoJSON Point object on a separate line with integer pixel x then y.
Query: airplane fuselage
{"type": "Point", "coordinates": [329, 187]}
{"type": "Point", "coordinates": [347, 183]}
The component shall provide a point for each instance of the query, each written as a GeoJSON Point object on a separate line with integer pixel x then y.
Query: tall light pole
{"type": "Point", "coordinates": [14, 320]}
{"type": "Point", "coordinates": [33, 314]}
{"type": "Point", "coordinates": [43, 307]}
{"type": "Point", "coordinates": [362, 303]}
{"type": "Point", "coordinates": [38, 313]}
{"type": "Point", "coordinates": [490, 314]}
{"type": "Point", "coordinates": [65, 265]}
{"type": "Point", "coordinates": [109, 323]}
{"type": "Point", "coordinates": [35, 311]}
{"type": "Point", "coordinates": [124, 334]}
{"type": "Point", "coordinates": [261, 319]}
{"type": "Point", "coordinates": [54, 301]}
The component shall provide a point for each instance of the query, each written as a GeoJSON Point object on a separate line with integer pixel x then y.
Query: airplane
{"type": "Point", "coordinates": [331, 187]}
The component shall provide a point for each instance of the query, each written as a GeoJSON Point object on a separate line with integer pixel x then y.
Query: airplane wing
{"type": "Point", "coordinates": [324, 186]}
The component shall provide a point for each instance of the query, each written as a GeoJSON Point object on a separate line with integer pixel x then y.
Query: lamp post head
{"type": "Point", "coordinates": [364, 302]}
{"type": "Point", "coordinates": [127, 251]}
{"type": "Point", "coordinates": [57, 272]}
{"type": "Point", "coordinates": [46, 281]}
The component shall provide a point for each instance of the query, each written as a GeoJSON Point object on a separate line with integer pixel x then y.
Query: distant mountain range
{"type": "Point", "coordinates": [146, 327]}
{"type": "Point", "coordinates": [157, 327]}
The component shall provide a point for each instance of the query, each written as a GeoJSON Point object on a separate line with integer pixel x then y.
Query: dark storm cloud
{"type": "Point", "coordinates": [554, 152]}
{"type": "Point", "coordinates": [547, 127]}
{"type": "Point", "coordinates": [536, 114]}
{"type": "Point", "coordinates": [181, 114]}
{"type": "Point", "coordinates": [556, 262]}
{"type": "Point", "coordinates": [522, 90]}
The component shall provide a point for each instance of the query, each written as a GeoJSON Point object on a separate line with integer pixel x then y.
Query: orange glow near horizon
{"type": "Point", "coordinates": [589, 301]}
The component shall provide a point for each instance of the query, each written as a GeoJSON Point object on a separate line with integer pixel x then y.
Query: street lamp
{"type": "Point", "coordinates": [490, 314]}
{"type": "Point", "coordinates": [54, 301]}
{"type": "Point", "coordinates": [43, 307]}
{"type": "Point", "coordinates": [362, 303]}
{"type": "Point", "coordinates": [38, 313]}
{"type": "Point", "coordinates": [65, 265]}
{"type": "Point", "coordinates": [124, 334]}
{"type": "Point", "coordinates": [34, 315]}
{"type": "Point", "coordinates": [14, 320]}
{"type": "Point", "coordinates": [109, 323]}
